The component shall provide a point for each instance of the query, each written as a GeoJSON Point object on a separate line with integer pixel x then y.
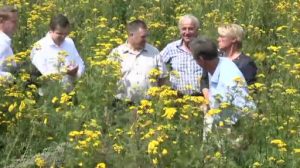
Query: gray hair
{"type": "Point", "coordinates": [191, 17]}
{"type": "Point", "coordinates": [204, 47]}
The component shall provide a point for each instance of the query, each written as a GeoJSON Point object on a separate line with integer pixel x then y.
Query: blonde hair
{"type": "Point", "coordinates": [234, 31]}
{"type": "Point", "coordinates": [190, 17]}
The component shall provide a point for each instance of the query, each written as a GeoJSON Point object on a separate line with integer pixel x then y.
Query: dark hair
{"type": "Point", "coordinates": [205, 48]}
{"type": "Point", "coordinates": [135, 25]}
{"type": "Point", "coordinates": [5, 10]}
{"type": "Point", "coordinates": [59, 20]}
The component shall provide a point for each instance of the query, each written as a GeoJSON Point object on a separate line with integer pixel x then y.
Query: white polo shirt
{"type": "Point", "coordinates": [5, 52]}
{"type": "Point", "coordinates": [135, 70]}
{"type": "Point", "coordinates": [49, 58]}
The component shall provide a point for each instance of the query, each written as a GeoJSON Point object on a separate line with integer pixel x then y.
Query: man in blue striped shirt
{"type": "Point", "coordinates": [185, 73]}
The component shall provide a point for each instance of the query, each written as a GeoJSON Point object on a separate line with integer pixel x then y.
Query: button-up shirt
{"type": "Point", "coordinates": [185, 74]}
{"type": "Point", "coordinates": [135, 67]}
{"type": "Point", "coordinates": [227, 85]}
{"type": "Point", "coordinates": [5, 52]}
{"type": "Point", "coordinates": [50, 58]}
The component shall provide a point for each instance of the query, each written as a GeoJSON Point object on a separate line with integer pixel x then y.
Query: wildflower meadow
{"type": "Point", "coordinates": [88, 128]}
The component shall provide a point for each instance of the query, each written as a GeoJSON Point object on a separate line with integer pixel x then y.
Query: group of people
{"type": "Point", "coordinates": [54, 53]}
{"type": "Point", "coordinates": [195, 65]}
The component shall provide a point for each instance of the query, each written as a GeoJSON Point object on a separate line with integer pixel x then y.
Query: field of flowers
{"type": "Point", "coordinates": [86, 128]}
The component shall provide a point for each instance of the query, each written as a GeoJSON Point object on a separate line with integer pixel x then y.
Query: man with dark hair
{"type": "Point", "coordinates": [226, 82]}
{"type": "Point", "coordinates": [60, 20]}
{"type": "Point", "coordinates": [8, 26]}
{"type": "Point", "coordinates": [56, 53]}
{"type": "Point", "coordinates": [138, 59]}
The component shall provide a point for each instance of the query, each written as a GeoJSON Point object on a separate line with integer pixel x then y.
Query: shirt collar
{"type": "Point", "coordinates": [50, 41]}
{"type": "Point", "coordinates": [6, 38]}
{"type": "Point", "coordinates": [179, 45]}
{"type": "Point", "coordinates": [126, 49]}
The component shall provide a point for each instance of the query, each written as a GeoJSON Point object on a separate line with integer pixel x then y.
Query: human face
{"type": "Point", "coordinates": [9, 26]}
{"type": "Point", "coordinates": [138, 39]}
{"type": "Point", "coordinates": [200, 61]}
{"type": "Point", "coordinates": [59, 34]}
{"type": "Point", "coordinates": [188, 30]}
{"type": "Point", "coordinates": [225, 42]}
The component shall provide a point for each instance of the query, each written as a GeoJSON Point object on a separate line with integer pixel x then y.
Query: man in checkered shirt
{"type": "Point", "coordinates": [185, 74]}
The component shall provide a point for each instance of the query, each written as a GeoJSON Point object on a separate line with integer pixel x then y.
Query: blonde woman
{"type": "Point", "coordinates": [230, 44]}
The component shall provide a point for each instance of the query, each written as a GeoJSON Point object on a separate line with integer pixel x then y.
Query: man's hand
{"type": "Point", "coordinates": [72, 70]}
{"type": "Point", "coordinates": [206, 97]}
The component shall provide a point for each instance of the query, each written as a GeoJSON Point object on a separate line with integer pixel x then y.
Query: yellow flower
{"type": "Point", "coordinates": [256, 164]}
{"type": "Point", "coordinates": [46, 121]}
{"type": "Point", "coordinates": [145, 104]}
{"type": "Point", "coordinates": [280, 144]}
{"type": "Point", "coordinates": [118, 148]}
{"type": "Point", "coordinates": [154, 73]}
{"type": "Point", "coordinates": [39, 161]}
{"type": "Point", "coordinates": [164, 152]}
{"type": "Point", "coordinates": [291, 91]}
{"type": "Point", "coordinates": [280, 161]}
{"type": "Point", "coordinates": [258, 85]}
{"type": "Point", "coordinates": [212, 112]}
{"type": "Point", "coordinates": [282, 149]}
{"type": "Point", "coordinates": [271, 159]}
{"type": "Point", "coordinates": [277, 141]}
{"type": "Point", "coordinates": [274, 48]}
{"type": "Point", "coordinates": [239, 80]}
{"type": "Point", "coordinates": [297, 150]}
{"type": "Point", "coordinates": [101, 165]}
{"type": "Point", "coordinates": [54, 99]}
{"type": "Point", "coordinates": [218, 155]}
{"type": "Point", "coordinates": [155, 161]}
{"type": "Point", "coordinates": [169, 112]}
{"type": "Point", "coordinates": [22, 106]}
{"type": "Point", "coordinates": [12, 107]}
{"type": "Point", "coordinates": [224, 105]}
{"type": "Point", "coordinates": [80, 164]}
{"type": "Point", "coordinates": [65, 98]}
{"type": "Point", "coordinates": [152, 147]}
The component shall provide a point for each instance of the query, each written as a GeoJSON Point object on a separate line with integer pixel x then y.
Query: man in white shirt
{"type": "Point", "coordinates": [137, 59]}
{"type": "Point", "coordinates": [8, 26]}
{"type": "Point", "coordinates": [56, 53]}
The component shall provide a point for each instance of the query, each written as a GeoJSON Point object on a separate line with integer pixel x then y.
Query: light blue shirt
{"type": "Point", "coordinates": [225, 88]}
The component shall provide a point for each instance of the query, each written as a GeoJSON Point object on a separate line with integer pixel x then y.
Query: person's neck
{"type": "Point", "coordinates": [9, 35]}
{"type": "Point", "coordinates": [212, 66]}
{"type": "Point", "coordinates": [57, 43]}
{"type": "Point", "coordinates": [133, 48]}
{"type": "Point", "coordinates": [233, 53]}
{"type": "Point", "coordinates": [186, 47]}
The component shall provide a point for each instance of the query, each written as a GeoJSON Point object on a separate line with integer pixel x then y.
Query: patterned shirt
{"type": "Point", "coordinates": [185, 74]}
